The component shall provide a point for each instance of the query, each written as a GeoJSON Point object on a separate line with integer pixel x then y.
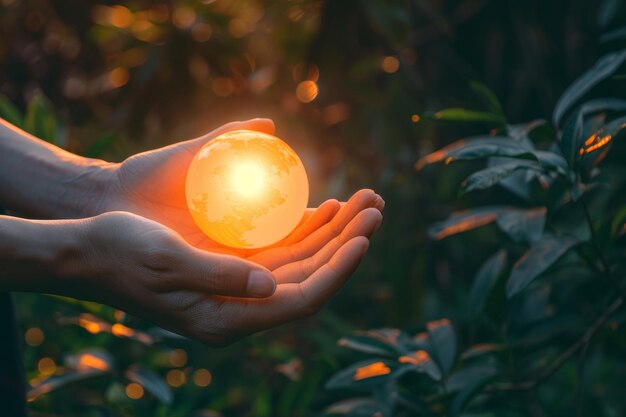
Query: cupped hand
{"type": "Point", "coordinates": [147, 269]}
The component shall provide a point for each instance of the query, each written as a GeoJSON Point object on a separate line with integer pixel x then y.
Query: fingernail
{"type": "Point", "coordinates": [260, 284]}
{"type": "Point", "coordinates": [380, 203]}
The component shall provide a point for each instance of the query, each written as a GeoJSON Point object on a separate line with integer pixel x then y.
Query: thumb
{"type": "Point", "coordinates": [227, 275]}
{"type": "Point", "coordinates": [259, 124]}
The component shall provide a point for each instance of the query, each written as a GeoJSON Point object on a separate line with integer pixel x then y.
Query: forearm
{"type": "Point", "coordinates": [39, 256]}
{"type": "Point", "coordinates": [41, 180]}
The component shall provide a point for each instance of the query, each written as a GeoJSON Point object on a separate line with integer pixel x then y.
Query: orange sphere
{"type": "Point", "coordinates": [247, 189]}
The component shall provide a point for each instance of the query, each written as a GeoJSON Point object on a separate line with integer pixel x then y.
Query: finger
{"type": "Point", "coordinates": [364, 224]}
{"type": "Point", "coordinates": [276, 257]}
{"type": "Point", "coordinates": [218, 274]}
{"type": "Point", "coordinates": [294, 301]}
{"type": "Point", "coordinates": [319, 217]}
{"type": "Point", "coordinates": [260, 125]}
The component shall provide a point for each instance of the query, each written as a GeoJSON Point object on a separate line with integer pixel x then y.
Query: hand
{"type": "Point", "coordinates": [148, 270]}
{"type": "Point", "coordinates": [152, 185]}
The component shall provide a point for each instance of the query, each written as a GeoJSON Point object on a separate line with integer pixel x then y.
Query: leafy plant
{"type": "Point", "coordinates": [540, 308]}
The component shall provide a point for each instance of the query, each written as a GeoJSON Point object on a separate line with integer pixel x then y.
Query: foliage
{"type": "Point", "coordinates": [126, 76]}
{"type": "Point", "coordinates": [543, 310]}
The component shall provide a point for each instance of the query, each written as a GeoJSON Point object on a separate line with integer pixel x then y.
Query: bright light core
{"type": "Point", "coordinates": [248, 179]}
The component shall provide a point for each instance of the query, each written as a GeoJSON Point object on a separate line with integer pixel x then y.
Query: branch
{"type": "Point", "coordinates": [594, 237]}
{"type": "Point", "coordinates": [565, 356]}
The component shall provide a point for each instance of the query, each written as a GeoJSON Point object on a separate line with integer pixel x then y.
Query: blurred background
{"type": "Point", "coordinates": [348, 84]}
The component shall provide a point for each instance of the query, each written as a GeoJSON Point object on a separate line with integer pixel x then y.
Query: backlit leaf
{"type": "Point", "coordinates": [364, 374]}
{"type": "Point", "coordinates": [58, 381]}
{"type": "Point", "coordinates": [421, 361]}
{"type": "Point", "coordinates": [489, 177]}
{"type": "Point", "coordinates": [478, 147]}
{"type": "Point", "coordinates": [466, 115]}
{"type": "Point", "coordinates": [572, 136]}
{"type": "Point", "coordinates": [443, 342]}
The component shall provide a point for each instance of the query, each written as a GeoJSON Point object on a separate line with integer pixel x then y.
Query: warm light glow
{"type": "Point", "coordinates": [202, 378]}
{"type": "Point", "coordinates": [120, 330]}
{"type": "Point", "coordinates": [307, 91]}
{"type": "Point", "coordinates": [372, 370]}
{"type": "Point", "coordinates": [247, 189]}
{"type": "Point", "coordinates": [46, 366]}
{"type": "Point", "coordinates": [90, 361]}
{"type": "Point", "coordinates": [34, 336]}
{"type": "Point", "coordinates": [247, 178]}
{"type": "Point", "coordinates": [175, 378]}
{"type": "Point", "coordinates": [134, 391]}
{"type": "Point", "coordinates": [390, 64]}
{"type": "Point", "coordinates": [178, 358]}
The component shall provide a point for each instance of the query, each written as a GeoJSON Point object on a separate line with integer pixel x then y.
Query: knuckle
{"type": "Point", "coordinates": [216, 277]}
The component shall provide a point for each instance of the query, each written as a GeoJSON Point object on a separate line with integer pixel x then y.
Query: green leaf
{"type": "Point", "coordinates": [485, 281]}
{"type": "Point", "coordinates": [40, 120]}
{"type": "Point", "coordinates": [603, 68]}
{"type": "Point", "coordinates": [443, 343]}
{"type": "Point", "coordinates": [524, 130]}
{"type": "Point", "coordinates": [420, 361]}
{"type": "Point", "coordinates": [466, 115]}
{"type": "Point", "coordinates": [523, 226]}
{"type": "Point", "coordinates": [151, 382]}
{"type": "Point", "coordinates": [488, 177]}
{"type": "Point", "coordinates": [478, 147]}
{"type": "Point", "coordinates": [355, 407]}
{"type": "Point", "coordinates": [613, 35]}
{"type": "Point", "coordinates": [596, 146]}
{"type": "Point", "coordinates": [476, 380]}
{"type": "Point", "coordinates": [58, 381]}
{"type": "Point", "coordinates": [541, 256]}
{"type": "Point", "coordinates": [572, 137]}
{"type": "Point", "coordinates": [369, 345]}
{"type": "Point", "coordinates": [468, 376]}
{"type": "Point", "coordinates": [9, 112]}
{"type": "Point", "coordinates": [366, 374]}
{"type": "Point", "coordinates": [489, 98]}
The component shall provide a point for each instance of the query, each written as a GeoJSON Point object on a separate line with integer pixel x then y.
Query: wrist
{"type": "Point", "coordinates": [87, 190]}
{"type": "Point", "coordinates": [41, 256]}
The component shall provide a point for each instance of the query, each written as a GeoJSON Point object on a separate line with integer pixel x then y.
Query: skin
{"type": "Point", "coordinates": [112, 236]}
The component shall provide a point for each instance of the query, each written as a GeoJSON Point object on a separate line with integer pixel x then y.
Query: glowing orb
{"type": "Point", "coordinates": [247, 189]}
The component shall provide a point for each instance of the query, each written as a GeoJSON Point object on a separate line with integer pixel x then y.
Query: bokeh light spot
{"type": "Point", "coordinates": [118, 77]}
{"type": "Point", "coordinates": [34, 336]}
{"type": "Point", "coordinates": [390, 64]}
{"type": "Point", "coordinates": [184, 17]}
{"type": "Point", "coordinates": [46, 366]}
{"type": "Point", "coordinates": [307, 91]}
{"type": "Point", "coordinates": [178, 358]}
{"type": "Point", "coordinates": [202, 378]}
{"type": "Point", "coordinates": [175, 378]}
{"type": "Point", "coordinates": [134, 391]}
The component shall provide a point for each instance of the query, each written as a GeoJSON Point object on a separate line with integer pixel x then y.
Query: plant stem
{"type": "Point", "coordinates": [596, 243]}
{"type": "Point", "coordinates": [565, 356]}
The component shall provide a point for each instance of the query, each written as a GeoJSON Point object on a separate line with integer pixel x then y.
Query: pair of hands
{"type": "Point", "coordinates": [148, 257]}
